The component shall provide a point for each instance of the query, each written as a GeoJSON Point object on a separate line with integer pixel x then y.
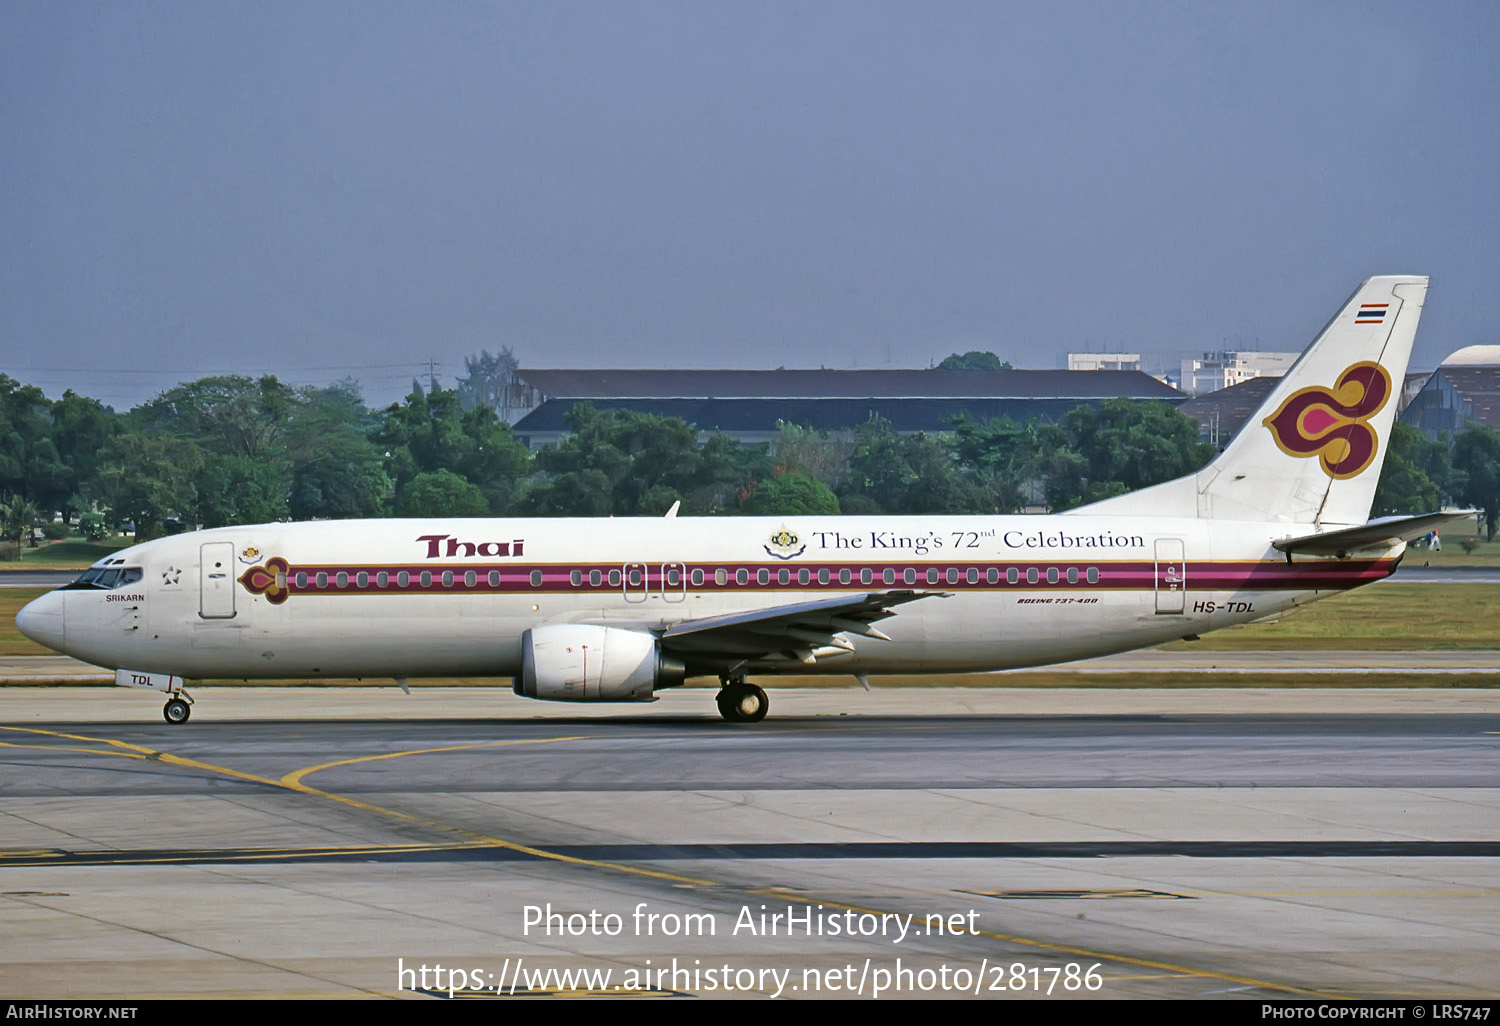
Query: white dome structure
{"type": "Point", "coordinates": [1474, 356]}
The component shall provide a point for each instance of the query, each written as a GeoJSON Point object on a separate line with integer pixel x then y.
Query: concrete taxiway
{"type": "Point", "coordinates": [318, 841]}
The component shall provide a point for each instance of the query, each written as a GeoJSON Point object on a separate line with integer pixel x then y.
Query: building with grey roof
{"type": "Point", "coordinates": [1456, 395]}
{"type": "Point", "coordinates": [748, 405]}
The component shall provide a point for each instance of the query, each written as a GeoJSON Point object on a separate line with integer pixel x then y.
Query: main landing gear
{"type": "Point", "coordinates": [178, 708]}
{"type": "Point", "coordinates": [741, 702]}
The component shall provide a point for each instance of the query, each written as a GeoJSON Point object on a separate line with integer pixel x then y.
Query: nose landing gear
{"type": "Point", "coordinates": [178, 708]}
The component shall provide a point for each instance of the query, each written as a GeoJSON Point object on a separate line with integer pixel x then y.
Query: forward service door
{"type": "Point", "coordinates": [216, 581]}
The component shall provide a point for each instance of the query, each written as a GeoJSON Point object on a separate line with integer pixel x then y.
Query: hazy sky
{"type": "Point", "coordinates": [318, 190]}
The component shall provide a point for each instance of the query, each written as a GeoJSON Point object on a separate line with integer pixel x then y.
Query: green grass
{"type": "Point", "coordinates": [1384, 617]}
{"type": "Point", "coordinates": [1484, 553]}
{"type": "Point", "coordinates": [70, 554]}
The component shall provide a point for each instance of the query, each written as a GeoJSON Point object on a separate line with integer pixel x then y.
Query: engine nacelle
{"type": "Point", "coordinates": [587, 663]}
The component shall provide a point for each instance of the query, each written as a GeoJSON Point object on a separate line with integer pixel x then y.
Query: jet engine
{"type": "Point", "coordinates": [589, 663]}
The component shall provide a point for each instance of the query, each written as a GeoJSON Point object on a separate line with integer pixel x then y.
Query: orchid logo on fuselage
{"type": "Point", "coordinates": [1333, 425]}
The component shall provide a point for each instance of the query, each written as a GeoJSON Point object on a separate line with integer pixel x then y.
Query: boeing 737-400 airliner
{"type": "Point", "coordinates": [615, 609]}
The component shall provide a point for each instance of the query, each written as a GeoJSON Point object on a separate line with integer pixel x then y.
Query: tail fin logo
{"type": "Point", "coordinates": [1334, 424]}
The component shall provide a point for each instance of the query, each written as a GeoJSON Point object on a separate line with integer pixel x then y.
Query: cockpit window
{"type": "Point", "coordinates": [106, 578]}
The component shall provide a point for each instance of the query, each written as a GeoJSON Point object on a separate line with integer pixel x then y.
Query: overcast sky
{"type": "Point", "coordinates": [318, 190]}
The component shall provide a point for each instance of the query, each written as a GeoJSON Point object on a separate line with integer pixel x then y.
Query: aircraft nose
{"type": "Point", "coordinates": [42, 621]}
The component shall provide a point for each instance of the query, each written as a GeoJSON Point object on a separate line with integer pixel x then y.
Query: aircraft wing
{"type": "Point", "coordinates": [1382, 531]}
{"type": "Point", "coordinates": [801, 631]}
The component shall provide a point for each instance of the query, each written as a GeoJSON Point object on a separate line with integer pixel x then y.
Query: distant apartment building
{"type": "Point", "coordinates": [1224, 370]}
{"type": "Point", "coordinates": [1104, 361]}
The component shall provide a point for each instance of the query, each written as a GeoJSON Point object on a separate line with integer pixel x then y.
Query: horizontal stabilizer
{"type": "Point", "coordinates": [1381, 532]}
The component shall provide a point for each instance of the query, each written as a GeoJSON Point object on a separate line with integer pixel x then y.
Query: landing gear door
{"type": "Point", "coordinates": [216, 581]}
{"type": "Point", "coordinates": [1171, 576]}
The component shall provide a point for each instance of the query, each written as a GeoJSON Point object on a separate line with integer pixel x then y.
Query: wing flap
{"type": "Point", "coordinates": [798, 631]}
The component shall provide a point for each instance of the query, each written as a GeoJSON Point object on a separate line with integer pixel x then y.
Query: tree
{"type": "Point", "coordinates": [904, 474]}
{"type": "Point", "coordinates": [81, 431]}
{"type": "Point", "coordinates": [1416, 475]}
{"type": "Point", "coordinates": [1476, 467]}
{"type": "Point", "coordinates": [345, 479]}
{"type": "Point", "coordinates": [145, 478]}
{"type": "Point", "coordinates": [616, 462]}
{"type": "Point", "coordinates": [1120, 447]}
{"type": "Point", "coordinates": [230, 414]}
{"type": "Point", "coordinates": [431, 431]}
{"type": "Point", "coordinates": [441, 493]}
{"type": "Point", "coordinates": [974, 360]}
{"type": "Point", "coordinates": [18, 522]}
{"type": "Point", "coordinates": [816, 453]}
{"type": "Point", "coordinates": [491, 382]}
{"type": "Point", "coordinates": [791, 494]}
{"type": "Point", "coordinates": [239, 490]}
{"type": "Point", "coordinates": [29, 464]}
{"type": "Point", "coordinates": [1001, 458]}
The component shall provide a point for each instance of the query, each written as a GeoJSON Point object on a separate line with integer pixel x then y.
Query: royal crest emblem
{"type": "Point", "coordinates": [785, 545]}
{"type": "Point", "coordinates": [249, 554]}
{"type": "Point", "coordinates": [1333, 424]}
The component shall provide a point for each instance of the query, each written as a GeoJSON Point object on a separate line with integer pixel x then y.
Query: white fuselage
{"type": "Point", "coordinates": [432, 598]}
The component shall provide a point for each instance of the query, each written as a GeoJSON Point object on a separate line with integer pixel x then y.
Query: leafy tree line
{"type": "Point", "coordinates": [225, 450]}
{"type": "Point", "coordinates": [1421, 474]}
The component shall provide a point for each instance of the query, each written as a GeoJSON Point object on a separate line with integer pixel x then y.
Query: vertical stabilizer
{"type": "Point", "coordinates": [1313, 451]}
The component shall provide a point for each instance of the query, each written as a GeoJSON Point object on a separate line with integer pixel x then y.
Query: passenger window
{"type": "Point", "coordinates": [721, 577]}
{"type": "Point", "coordinates": [783, 576]}
{"type": "Point", "coordinates": [403, 579]}
{"type": "Point", "coordinates": [992, 575]}
{"type": "Point", "coordinates": [1093, 575]}
{"type": "Point", "coordinates": [910, 576]}
{"type": "Point", "coordinates": [536, 578]}
{"type": "Point", "coordinates": [889, 576]}
{"type": "Point", "coordinates": [470, 579]}
{"type": "Point", "coordinates": [803, 577]}
{"type": "Point", "coordinates": [614, 578]}
{"type": "Point", "coordinates": [696, 576]}
{"type": "Point", "coordinates": [1052, 575]}
{"type": "Point", "coordinates": [742, 577]}
{"type": "Point", "coordinates": [1031, 575]}
{"type": "Point", "coordinates": [595, 578]}
{"type": "Point", "coordinates": [1072, 575]}
{"type": "Point", "coordinates": [932, 575]}
{"type": "Point", "coordinates": [494, 578]}
{"type": "Point", "coordinates": [763, 576]}
{"type": "Point", "coordinates": [865, 576]}
{"type": "Point", "coordinates": [844, 577]}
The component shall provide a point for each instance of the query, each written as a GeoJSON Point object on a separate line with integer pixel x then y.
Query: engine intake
{"type": "Point", "coordinates": [589, 663]}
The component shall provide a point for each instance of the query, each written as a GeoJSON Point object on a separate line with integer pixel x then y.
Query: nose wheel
{"type": "Point", "coordinates": [742, 702]}
{"type": "Point", "coordinates": [177, 710]}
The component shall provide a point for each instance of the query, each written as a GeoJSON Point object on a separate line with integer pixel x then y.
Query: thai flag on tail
{"type": "Point", "coordinates": [1371, 313]}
